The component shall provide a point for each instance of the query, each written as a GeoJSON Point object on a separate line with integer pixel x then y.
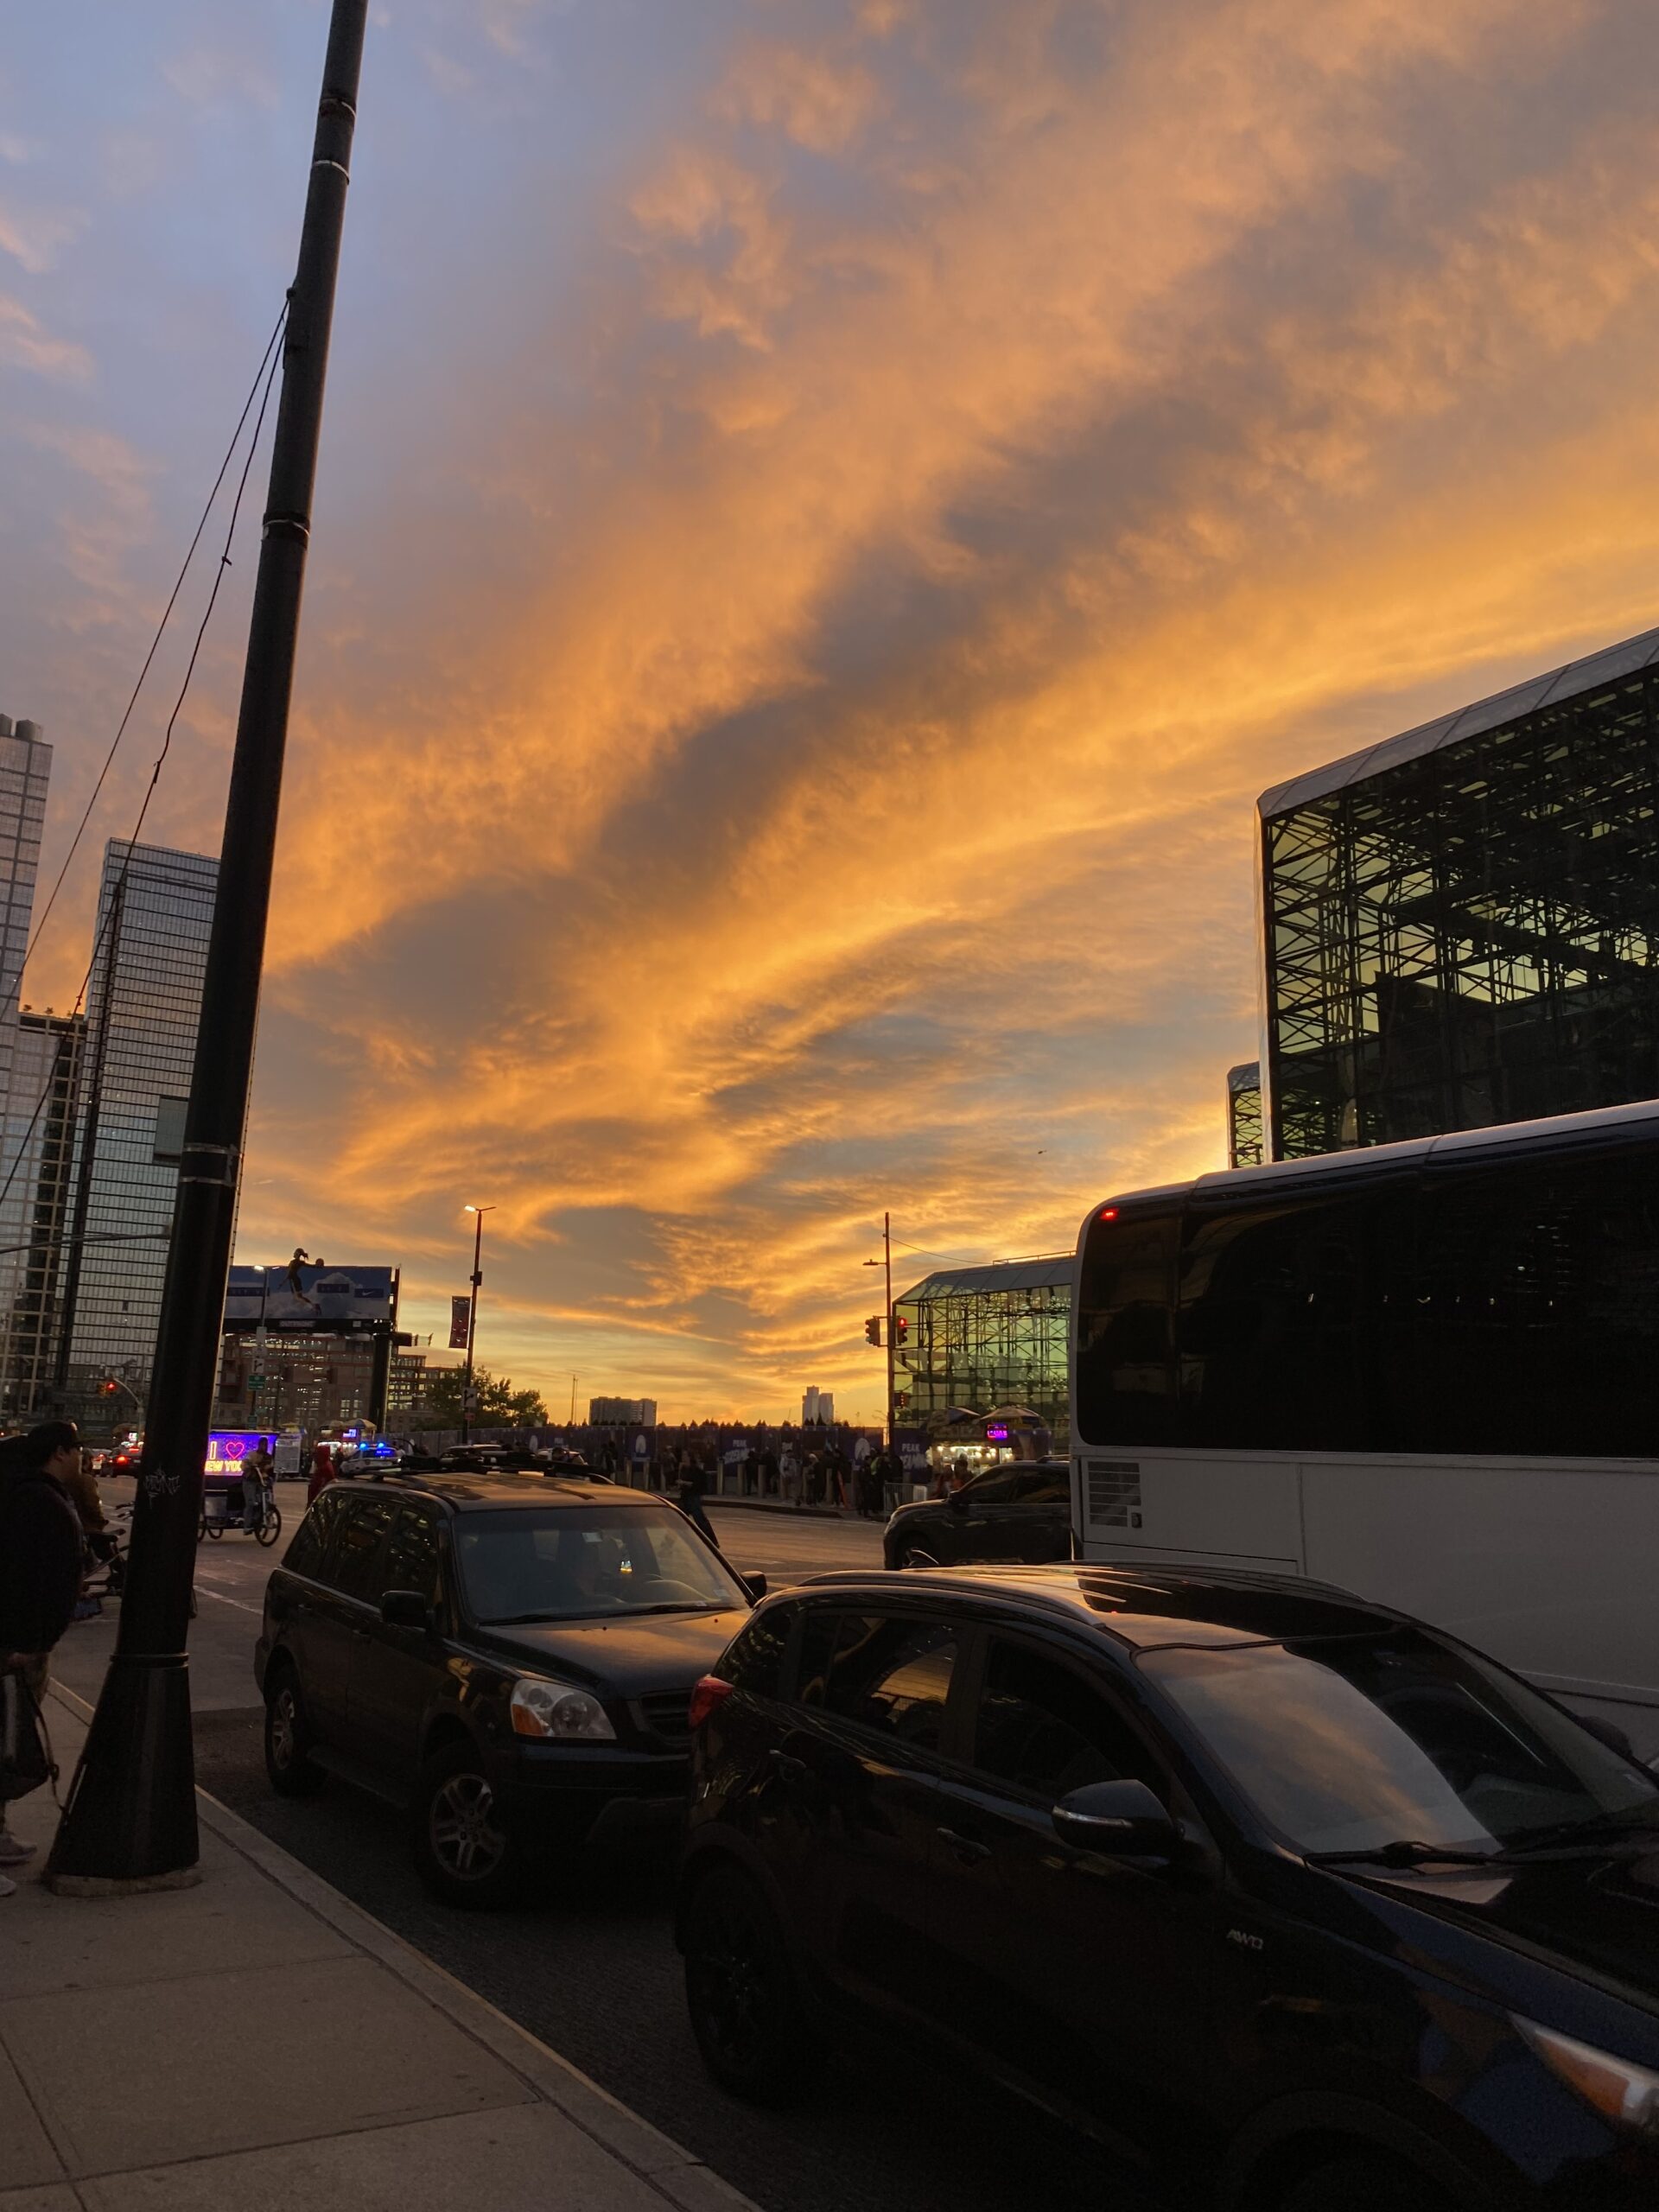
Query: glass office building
{"type": "Point", "coordinates": [1462, 924]}
{"type": "Point", "coordinates": [36, 1147]}
{"type": "Point", "coordinates": [25, 773]}
{"type": "Point", "coordinates": [154, 915]}
{"type": "Point", "coordinates": [1244, 1144]}
{"type": "Point", "coordinates": [979, 1337]}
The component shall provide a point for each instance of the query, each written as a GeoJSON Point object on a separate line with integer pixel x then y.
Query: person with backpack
{"type": "Point", "coordinates": [40, 1577]}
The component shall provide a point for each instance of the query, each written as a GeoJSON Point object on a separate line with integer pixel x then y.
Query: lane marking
{"type": "Point", "coordinates": [241, 1604]}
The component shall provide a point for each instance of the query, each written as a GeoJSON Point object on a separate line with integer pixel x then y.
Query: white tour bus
{"type": "Point", "coordinates": [1428, 1372]}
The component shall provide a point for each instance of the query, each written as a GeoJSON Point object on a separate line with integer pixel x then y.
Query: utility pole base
{"type": "Point", "coordinates": [101, 1885]}
{"type": "Point", "coordinates": [131, 1820]}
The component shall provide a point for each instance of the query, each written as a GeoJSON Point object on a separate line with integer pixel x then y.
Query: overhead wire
{"type": "Point", "coordinates": [261, 389]}
{"type": "Point", "coordinates": [261, 377]}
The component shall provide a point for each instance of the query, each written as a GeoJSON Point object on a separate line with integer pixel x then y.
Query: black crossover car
{"type": "Point", "coordinates": [1021, 1511]}
{"type": "Point", "coordinates": [511, 1657]}
{"type": "Point", "coordinates": [1316, 1907]}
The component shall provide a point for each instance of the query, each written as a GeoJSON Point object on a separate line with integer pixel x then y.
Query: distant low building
{"type": "Point", "coordinates": [622, 1413]}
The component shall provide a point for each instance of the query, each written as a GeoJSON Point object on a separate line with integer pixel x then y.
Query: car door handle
{"type": "Point", "coordinates": [791, 1768]}
{"type": "Point", "coordinates": [967, 1848]}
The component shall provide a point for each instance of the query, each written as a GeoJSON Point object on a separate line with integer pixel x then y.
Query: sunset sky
{"type": "Point", "coordinates": [829, 515]}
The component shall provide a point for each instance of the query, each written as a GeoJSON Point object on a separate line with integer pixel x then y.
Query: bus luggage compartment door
{"type": "Point", "coordinates": [1242, 1510]}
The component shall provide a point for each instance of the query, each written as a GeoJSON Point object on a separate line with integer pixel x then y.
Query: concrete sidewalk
{"type": "Point", "coordinates": [259, 2045]}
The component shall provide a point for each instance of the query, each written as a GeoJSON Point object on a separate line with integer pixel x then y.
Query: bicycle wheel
{"type": "Point", "coordinates": [270, 1527]}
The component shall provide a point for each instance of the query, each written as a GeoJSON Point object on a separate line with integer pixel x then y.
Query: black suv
{"type": "Point", "coordinates": [1316, 1905]}
{"type": "Point", "coordinates": [1020, 1510]}
{"type": "Point", "coordinates": [511, 1657]}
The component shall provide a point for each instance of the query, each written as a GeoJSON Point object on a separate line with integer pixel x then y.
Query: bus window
{"type": "Point", "coordinates": [1276, 1337]}
{"type": "Point", "coordinates": [1538, 1295]}
{"type": "Point", "coordinates": [1125, 1368]}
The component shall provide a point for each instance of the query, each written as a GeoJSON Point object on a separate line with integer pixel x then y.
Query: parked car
{"type": "Point", "coordinates": [1020, 1510]}
{"type": "Point", "coordinates": [1317, 1906]}
{"type": "Point", "coordinates": [510, 1657]}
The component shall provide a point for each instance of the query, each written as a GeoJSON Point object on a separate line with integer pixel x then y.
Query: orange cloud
{"type": "Point", "coordinates": [786, 750]}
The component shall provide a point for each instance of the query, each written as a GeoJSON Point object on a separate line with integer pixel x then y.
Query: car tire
{"type": "Point", "coordinates": [466, 1855]}
{"type": "Point", "coordinates": [753, 2029]}
{"type": "Point", "coordinates": [1364, 2184]}
{"type": "Point", "coordinates": [288, 1765]}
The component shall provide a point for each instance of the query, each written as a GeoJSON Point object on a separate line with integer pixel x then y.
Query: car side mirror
{"type": "Point", "coordinates": [1609, 1732]}
{"type": "Point", "coordinates": [1123, 1819]}
{"type": "Point", "coordinates": [754, 1583]}
{"type": "Point", "coordinates": [405, 1609]}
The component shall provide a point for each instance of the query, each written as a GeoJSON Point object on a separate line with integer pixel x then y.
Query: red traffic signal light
{"type": "Point", "coordinates": [901, 1328]}
{"type": "Point", "coordinates": [106, 1387]}
{"type": "Point", "coordinates": [873, 1331]}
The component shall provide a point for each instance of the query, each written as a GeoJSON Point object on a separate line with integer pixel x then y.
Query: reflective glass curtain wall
{"type": "Point", "coordinates": [1244, 1147]}
{"type": "Point", "coordinates": [154, 915]}
{"type": "Point", "coordinates": [25, 772]}
{"type": "Point", "coordinates": [984, 1337]}
{"type": "Point", "coordinates": [1462, 926]}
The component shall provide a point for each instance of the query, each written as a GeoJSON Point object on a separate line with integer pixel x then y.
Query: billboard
{"type": "Point", "coordinates": [307, 1295]}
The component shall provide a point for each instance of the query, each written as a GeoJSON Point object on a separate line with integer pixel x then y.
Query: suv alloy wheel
{"type": "Point", "coordinates": [464, 1850]}
{"type": "Point", "coordinates": [287, 1739]}
{"type": "Point", "coordinates": [746, 2013]}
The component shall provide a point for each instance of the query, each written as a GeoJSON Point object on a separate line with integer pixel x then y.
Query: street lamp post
{"type": "Point", "coordinates": [886, 1261]}
{"type": "Point", "coordinates": [131, 1819]}
{"type": "Point", "coordinates": [479, 1213]}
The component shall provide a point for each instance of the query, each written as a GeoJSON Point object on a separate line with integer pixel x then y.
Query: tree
{"type": "Point", "coordinates": [500, 1406]}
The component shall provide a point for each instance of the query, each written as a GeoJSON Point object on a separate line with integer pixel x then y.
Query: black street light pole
{"type": "Point", "coordinates": [131, 1820]}
{"type": "Point", "coordinates": [471, 1317]}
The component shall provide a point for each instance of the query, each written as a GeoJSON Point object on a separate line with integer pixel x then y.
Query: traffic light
{"type": "Point", "coordinates": [106, 1388]}
{"type": "Point", "coordinates": [873, 1331]}
{"type": "Point", "coordinates": [901, 1328]}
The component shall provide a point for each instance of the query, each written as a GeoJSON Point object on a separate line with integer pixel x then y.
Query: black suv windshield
{"type": "Point", "coordinates": [569, 1563]}
{"type": "Point", "coordinates": [1349, 1743]}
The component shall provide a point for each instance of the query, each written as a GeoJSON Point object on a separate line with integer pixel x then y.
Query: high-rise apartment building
{"type": "Point", "coordinates": [25, 772]}
{"type": "Point", "coordinates": [37, 1128]}
{"type": "Point", "coordinates": [154, 915]}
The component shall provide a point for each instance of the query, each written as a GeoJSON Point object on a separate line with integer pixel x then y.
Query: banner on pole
{"type": "Point", "coordinates": [459, 1310]}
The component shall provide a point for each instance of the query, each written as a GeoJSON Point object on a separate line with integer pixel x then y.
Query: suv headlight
{"type": "Point", "coordinates": [1621, 2091]}
{"type": "Point", "coordinates": [547, 1710]}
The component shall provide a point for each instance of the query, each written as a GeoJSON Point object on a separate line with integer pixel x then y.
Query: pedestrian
{"type": "Point", "coordinates": [259, 1470]}
{"type": "Point", "coordinates": [789, 1476]}
{"type": "Point", "coordinates": [40, 1573]}
{"type": "Point", "coordinates": [323, 1470]}
{"type": "Point", "coordinates": [690, 1501]}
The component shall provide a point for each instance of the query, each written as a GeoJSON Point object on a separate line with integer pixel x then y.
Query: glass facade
{"type": "Point", "coordinates": [27, 1062]}
{"type": "Point", "coordinates": [36, 1144]}
{"type": "Point", "coordinates": [154, 915]}
{"type": "Point", "coordinates": [1462, 925]}
{"type": "Point", "coordinates": [1244, 1144]}
{"type": "Point", "coordinates": [977, 1338]}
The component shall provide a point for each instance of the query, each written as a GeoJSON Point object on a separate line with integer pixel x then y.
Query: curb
{"type": "Point", "coordinates": [765, 1506]}
{"type": "Point", "coordinates": [649, 2155]}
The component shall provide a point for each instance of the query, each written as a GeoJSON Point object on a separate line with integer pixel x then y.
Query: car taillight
{"type": "Point", "coordinates": [709, 1693]}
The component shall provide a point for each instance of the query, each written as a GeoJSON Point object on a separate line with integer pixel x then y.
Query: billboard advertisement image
{"type": "Point", "coordinates": [308, 1295]}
